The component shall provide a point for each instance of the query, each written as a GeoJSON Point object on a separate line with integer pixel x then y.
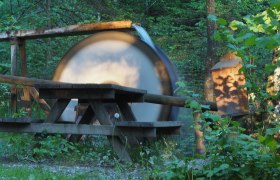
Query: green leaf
{"type": "Point", "coordinates": [271, 142]}
{"type": "Point", "coordinates": [195, 105]}
{"type": "Point", "coordinates": [274, 22]}
{"type": "Point", "coordinates": [275, 4]}
{"type": "Point", "coordinates": [217, 36]}
{"type": "Point", "coordinates": [250, 66]}
{"type": "Point", "coordinates": [250, 41]}
{"type": "Point", "coordinates": [222, 21]}
{"type": "Point", "coordinates": [232, 46]}
{"type": "Point", "coordinates": [234, 25]}
{"type": "Point", "coordinates": [269, 68]}
{"type": "Point", "coordinates": [261, 138]}
{"type": "Point", "coordinates": [248, 84]}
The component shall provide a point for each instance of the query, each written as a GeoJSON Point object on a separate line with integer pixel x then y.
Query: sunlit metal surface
{"type": "Point", "coordinates": [120, 58]}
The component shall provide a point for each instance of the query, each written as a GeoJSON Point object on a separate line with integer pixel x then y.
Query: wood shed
{"type": "Point", "coordinates": [231, 99]}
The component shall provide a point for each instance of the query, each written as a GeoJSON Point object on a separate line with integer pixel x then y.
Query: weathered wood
{"type": "Point", "coordinates": [23, 62]}
{"type": "Point", "coordinates": [126, 111]}
{"type": "Point", "coordinates": [16, 120]}
{"type": "Point", "coordinates": [72, 93]}
{"type": "Point", "coordinates": [42, 103]}
{"type": "Point", "coordinates": [22, 57]}
{"type": "Point", "coordinates": [57, 109]}
{"type": "Point", "coordinates": [156, 124]}
{"type": "Point", "coordinates": [14, 44]}
{"type": "Point", "coordinates": [51, 128]}
{"type": "Point", "coordinates": [83, 116]}
{"type": "Point", "coordinates": [121, 90]}
{"type": "Point", "coordinates": [174, 101]}
{"type": "Point", "coordinates": [80, 29]}
{"type": "Point", "coordinates": [102, 116]}
{"type": "Point", "coordinates": [19, 80]}
{"type": "Point", "coordinates": [149, 129]}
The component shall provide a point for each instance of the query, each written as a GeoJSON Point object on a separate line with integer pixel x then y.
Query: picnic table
{"type": "Point", "coordinates": [95, 99]}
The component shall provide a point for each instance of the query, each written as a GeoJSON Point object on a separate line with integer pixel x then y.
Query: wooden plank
{"type": "Point", "coordinates": [16, 120]}
{"type": "Point", "coordinates": [156, 124]}
{"type": "Point", "coordinates": [72, 93]}
{"type": "Point", "coordinates": [57, 110]}
{"type": "Point", "coordinates": [79, 29]}
{"type": "Point", "coordinates": [14, 44]}
{"type": "Point", "coordinates": [125, 110]}
{"type": "Point", "coordinates": [102, 116]}
{"type": "Point", "coordinates": [119, 89]}
{"type": "Point", "coordinates": [132, 133]}
{"type": "Point", "coordinates": [51, 128]}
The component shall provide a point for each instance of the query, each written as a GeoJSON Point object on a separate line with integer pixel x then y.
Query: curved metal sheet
{"type": "Point", "coordinates": [123, 59]}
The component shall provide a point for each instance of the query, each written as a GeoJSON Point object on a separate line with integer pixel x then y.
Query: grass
{"type": "Point", "coordinates": [34, 173]}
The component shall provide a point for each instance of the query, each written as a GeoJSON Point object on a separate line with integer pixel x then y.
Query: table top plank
{"type": "Point", "coordinates": [119, 89]}
{"type": "Point", "coordinates": [90, 91]}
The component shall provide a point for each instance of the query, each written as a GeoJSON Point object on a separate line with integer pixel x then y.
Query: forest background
{"type": "Point", "coordinates": [179, 27]}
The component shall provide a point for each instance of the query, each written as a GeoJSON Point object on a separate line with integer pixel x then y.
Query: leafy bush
{"type": "Point", "coordinates": [231, 154]}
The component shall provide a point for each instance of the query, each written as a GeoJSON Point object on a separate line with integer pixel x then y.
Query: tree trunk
{"type": "Point", "coordinates": [208, 84]}
{"type": "Point", "coordinates": [211, 52]}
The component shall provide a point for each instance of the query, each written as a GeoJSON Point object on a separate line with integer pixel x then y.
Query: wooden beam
{"type": "Point", "coordinates": [51, 128]}
{"type": "Point", "coordinates": [175, 101]}
{"type": "Point", "coordinates": [25, 81]}
{"type": "Point", "coordinates": [14, 44]}
{"type": "Point", "coordinates": [79, 29]}
{"type": "Point", "coordinates": [57, 109]}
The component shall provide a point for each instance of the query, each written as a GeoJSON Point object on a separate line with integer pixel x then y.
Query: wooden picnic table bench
{"type": "Point", "coordinates": [96, 97]}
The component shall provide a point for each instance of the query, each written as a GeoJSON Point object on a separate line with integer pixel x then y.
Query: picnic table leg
{"type": "Point", "coordinates": [57, 110]}
{"type": "Point", "coordinates": [128, 116]}
{"type": "Point", "coordinates": [85, 117]}
{"type": "Point", "coordinates": [102, 116]}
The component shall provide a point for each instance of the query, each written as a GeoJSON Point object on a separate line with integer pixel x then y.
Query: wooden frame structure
{"type": "Point", "coordinates": [17, 40]}
{"type": "Point", "coordinates": [95, 96]}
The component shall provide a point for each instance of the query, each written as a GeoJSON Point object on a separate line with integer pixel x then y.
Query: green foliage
{"type": "Point", "coordinates": [231, 154]}
{"type": "Point", "coordinates": [53, 146]}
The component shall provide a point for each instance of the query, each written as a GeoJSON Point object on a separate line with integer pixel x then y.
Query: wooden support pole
{"type": "Point", "coordinates": [18, 80]}
{"type": "Point", "coordinates": [175, 101]}
{"type": "Point", "coordinates": [14, 44]}
{"type": "Point", "coordinates": [79, 29]}
{"type": "Point", "coordinates": [23, 63]}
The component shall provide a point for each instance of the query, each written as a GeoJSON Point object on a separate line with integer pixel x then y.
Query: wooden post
{"type": "Point", "coordinates": [13, 73]}
{"type": "Point", "coordinates": [199, 139]}
{"type": "Point", "coordinates": [23, 61]}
